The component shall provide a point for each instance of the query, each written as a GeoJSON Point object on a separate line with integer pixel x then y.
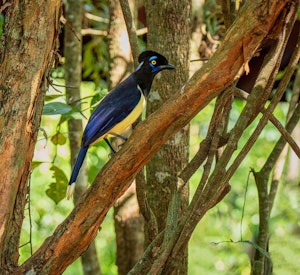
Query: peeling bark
{"type": "Point", "coordinates": [27, 53]}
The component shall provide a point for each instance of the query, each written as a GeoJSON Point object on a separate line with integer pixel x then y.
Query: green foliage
{"type": "Point", "coordinates": [212, 17]}
{"type": "Point", "coordinates": [53, 97]}
{"type": "Point", "coordinates": [35, 164]}
{"type": "Point", "coordinates": [95, 61]}
{"type": "Point", "coordinates": [1, 24]}
{"type": "Point", "coordinates": [96, 98]}
{"type": "Point", "coordinates": [61, 113]}
{"type": "Point", "coordinates": [59, 139]}
{"type": "Point", "coordinates": [56, 108]}
{"type": "Point", "coordinates": [57, 189]}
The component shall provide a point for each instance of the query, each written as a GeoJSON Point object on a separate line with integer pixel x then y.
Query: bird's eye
{"type": "Point", "coordinates": [153, 62]}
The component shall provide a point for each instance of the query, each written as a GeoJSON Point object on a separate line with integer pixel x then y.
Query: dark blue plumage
{"type": "Point", "coordinates": [113, 109]}
{"type": "Point", "coordinates": [120, 108]}
{"type": "Point", "coordinates": [78, 163]}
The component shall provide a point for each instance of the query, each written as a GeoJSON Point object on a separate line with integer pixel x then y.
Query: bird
{"type": "Point", "coordinates": [120, 108]}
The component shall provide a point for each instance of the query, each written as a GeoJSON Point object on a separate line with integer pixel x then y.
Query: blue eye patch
{"type": "Point", "coordinates": [152, 58]}
{"type": "Point", "coordinates": [154, 68]}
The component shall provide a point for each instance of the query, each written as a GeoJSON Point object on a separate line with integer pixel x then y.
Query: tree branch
{"type": "Point", "coordinates": [131, 30]}
{"type": "Point", "coordinates": [26, 47]}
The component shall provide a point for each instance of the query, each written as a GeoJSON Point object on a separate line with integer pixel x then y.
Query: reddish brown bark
{"type": "Point", "coordinates": [29, 43]}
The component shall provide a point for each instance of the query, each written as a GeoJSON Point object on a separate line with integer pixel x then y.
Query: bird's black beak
{"type": "Point", "coordinates": [167, 67]}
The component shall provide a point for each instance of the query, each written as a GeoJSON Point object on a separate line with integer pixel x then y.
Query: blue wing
{"type": "Point", "coordinates": [115, 107]}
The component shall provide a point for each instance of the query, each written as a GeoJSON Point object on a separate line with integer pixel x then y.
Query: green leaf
{"type": "Point", "coordinates": [56, 108]}
{"type": "Point", "coordinates": [35, 164]}
{"type": "Point", "coordinates": [1, 24]}
{"type": "Point", "coordinates": [52, 97]}
{"type": "Point", "coordinates": [72, 115]}
{"type": "Point", "coordinates": [57, 189]}
{"type": "Point", "coordinates": [58, 139]}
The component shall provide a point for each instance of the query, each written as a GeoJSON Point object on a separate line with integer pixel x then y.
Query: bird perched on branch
{"type": "Point", "coordinates": [120, 108]}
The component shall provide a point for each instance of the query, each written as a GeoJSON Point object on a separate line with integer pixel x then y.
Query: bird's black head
{"type": "Point", "coordinates": [153, 62]}
{"type": "Point", "coordinates": [150, 64]}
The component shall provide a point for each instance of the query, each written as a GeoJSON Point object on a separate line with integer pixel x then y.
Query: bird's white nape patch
{"type": "Point", "coordinates": [139, 66]}
{"type": "Point", "coordinates": [70, 190]}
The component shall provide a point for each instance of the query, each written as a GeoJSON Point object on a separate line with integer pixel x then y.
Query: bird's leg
{"type": "Point", "coordinates": [110, 146]}
{"type": "Point", "coordinates": [120, 137]}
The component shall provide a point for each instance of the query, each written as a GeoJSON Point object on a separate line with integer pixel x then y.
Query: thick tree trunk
{"type": "Point", "coordinates": [28, 48]}
{"type": "Point", "coordinates": [170, 35]}
{"type": "Point", "coordinates": [73, 65]}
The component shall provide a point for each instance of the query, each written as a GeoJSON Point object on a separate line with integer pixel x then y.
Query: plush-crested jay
{"type": "Point", "coordinates": [120, 108]}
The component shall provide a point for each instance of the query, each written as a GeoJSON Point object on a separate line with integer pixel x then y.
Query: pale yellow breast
{"type": "Point", "coordinates": [130, 119]}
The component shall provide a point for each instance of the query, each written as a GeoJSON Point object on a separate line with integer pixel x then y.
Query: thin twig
{"type": "Point", "coordinates": [132, 35]}
{"type": "Point", "coordinates": [67, 23]}
{"type": "Point", "coordinates": [90, 31]}
{"type": "Point", "coordinates": [244, 206]}
{"type": "Point", "coordinates": [199, 59]}
{"type": "Point", "coordinates": [141, 31]}
{"type": "Point", "coordinates": [95, 17]}
{"type": "Point", "coordinates": [278, 167]}
{"type": "Point", "coordinates": [51, 83]}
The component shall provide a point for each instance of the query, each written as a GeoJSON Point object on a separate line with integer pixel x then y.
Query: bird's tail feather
{"type": "Point", "coordinates": [75, 172]}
